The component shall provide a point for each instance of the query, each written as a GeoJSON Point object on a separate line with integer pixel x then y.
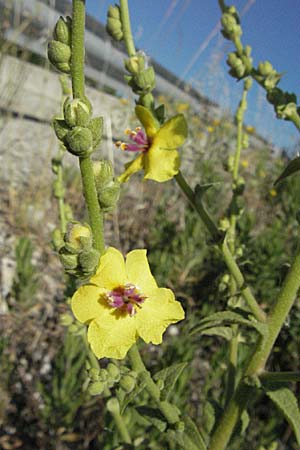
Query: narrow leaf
{"type": "Point", "coordinates": [193, 433]}
{"type": "Point", "coordinates": [169, 376]}
{"type": "Point", "coordinates": [292, 167]}
{"type": "Point", "coordinates": [224, 332]}
{"type": "Point", "coordinates": [154, 416]}
{"type": "Point", "coordinates": [286, 401]}
{"type": "Point", "coordinates": [227, 317]}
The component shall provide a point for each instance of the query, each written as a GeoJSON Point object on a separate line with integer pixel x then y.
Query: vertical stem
{"type": "Point", "coordinates": [77, 75]}
{"type": "Point", "coordinates": [121, 426]}
{"type": "Point", "coordinates": [77, 55]}
{"type": "Point", "coordinates": [125, 18]}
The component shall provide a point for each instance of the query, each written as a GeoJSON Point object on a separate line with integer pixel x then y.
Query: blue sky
{"type": "Point", "coordinates": [182, 36]}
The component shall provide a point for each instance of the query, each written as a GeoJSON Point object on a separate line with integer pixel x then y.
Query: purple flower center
{"type": "Point", "coordinates": [139, 141]}
{"type": "Point", "coordinates": [126, 299]}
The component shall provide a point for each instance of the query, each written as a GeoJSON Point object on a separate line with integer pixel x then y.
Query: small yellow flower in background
{"type": "Point", "coordinates": [210, 129]}
{"type": "Point", "coordinates": [273, 192]}
{"type": "Point", "coordinates": [250, 129]}
{"type": "Point", "coordinates": [124, 101]}
{"type": "Point", "coordinates": [245, 163]}
{"type": "Point", "coordinates": [262, 174]}
{"type": "Point", "coordinates": [123, 302]}
{"type": "Point", "coordinates": [216, 122]}
{"type": "Point", "coordinates": [157, 146]}
{"type": "Point", "coordinates": [182, 107]}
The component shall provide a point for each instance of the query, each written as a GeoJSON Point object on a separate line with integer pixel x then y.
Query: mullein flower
{"type": "Point", "coordinates": [157, 146]}
{"type": "Point", "coordinates": [122, 302]}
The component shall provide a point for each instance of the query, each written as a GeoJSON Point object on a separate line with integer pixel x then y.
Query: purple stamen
{"type": "Point", "coordinates": [126, 298]}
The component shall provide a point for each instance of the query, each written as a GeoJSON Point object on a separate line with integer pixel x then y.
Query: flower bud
{"type": "Point", "coordinates": [80, 142]}
{"type": "Point", "coordinates": [103, 173]}
{"type": "Point", "coordinates": [145, 79]}
{"type": "Point", "coordinates": [58, 189]}
{"type": "Point", "coordinates": [179, 426]}
{"type": "Point", "coordinates": [103, 375]}
{"type": "Point", "coordinates": [127, 383]}
{"type": "Point", "coordinates": [88, 261]}
{"type": "Point", "coordinates": [94, 374]}
{"type": "Point", "coordinates": [272, 80]}
{"type": "Point", "coordinates": [96, 128]}
{"type": "Point", "coordinates": [265, 68]}
{"type": "Point", "coordinates": [60, 128]}
{"type": "Point", "coordinates": [76, 112]}
{"type": "Point", "coordinates": [114, 24]}
{"type": "Point", "coordinates": [66, 320]}
{"type": "Point", "coordinates": [62, 30]}
{"type": "Point", "coordinates": [57, 240]}
{"type": "Point", "coordinates": [58, 52]}
{"type": "Point", "coordinates": [113, 405]}
{"type": "Point", "coordinates": [96, 388]}
{"type": "Point", "coordinates": [113, 371]}
{"type": "Point", "coordinates": [286, 111]}
{"type": "Point", "coordinates": [64, 67]}
{"type": "Point", "coordinates": [78, 237]}
{"type": "Point", "coordinates": [68, 260]}
{"type": "Point", "coordinates": [109, 196]}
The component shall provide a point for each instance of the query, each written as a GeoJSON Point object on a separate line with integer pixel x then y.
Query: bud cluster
{"type": "Point", "coordinates": [114, 23]}
{"type": "Point", "coordinates": [240, 65]}
{"type": "Point", "coordinates": [79, 133]}
{"type": "Point", "coordinates": [98, 380]}
{"type": "Point", "coordinates": [231, 24]}
{"type": "Point", "coordinates": [75, 250]}
{"type": "Point", "coordinates": [107, 186]}
{"type": "Point", "coordinates": [59, 48]}
{"type": "Point", "coordinates": [141, 78]}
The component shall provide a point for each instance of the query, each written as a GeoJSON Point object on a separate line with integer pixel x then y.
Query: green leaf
{"type": "Point", "coordinates": [193, 433]}
{"type": "Point", "coordinates": [224, 332]}
{"type": "Point", "coordinates": [154, 416]}
{"type": "Point", "coordinates": [286, 401]}
{"type": "Point", "coordinates": [200, 189]}
{"type": "Point", "coordinates": [292, 167]}
{"type": "Point", "coordinates": [140, 386]}
{"type": "Point", "coordinates": [169, 376]}
{"type": "Point", "coordinates": [227, 317]}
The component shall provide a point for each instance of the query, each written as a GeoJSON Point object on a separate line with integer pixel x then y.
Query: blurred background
{"type": "Point", "coordinates": [42, 404]}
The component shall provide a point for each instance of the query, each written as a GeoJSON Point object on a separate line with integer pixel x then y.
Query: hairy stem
{"type": "Point", "coordinates": [86, 169]}
{"type": "Point", "coordinates": [125, 18]}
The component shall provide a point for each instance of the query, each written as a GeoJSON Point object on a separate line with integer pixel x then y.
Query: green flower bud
{"type": "Point", "coordinates": [113, 371]}
{"type": "Point", "coordinates": [127, 383]}
{"type": "Point", "coordinates": [103, 375]}
{"type": "Point", "coordinates": [145, 79]}
{"type": "Point", "coordinates": [231, 27]}
{"type": "Point", "coordinates": [272, 80]}
{"type": "Point", "coordinates": [96, 128]}
{"type": "Point", "coordinates": [62, 30]}
{"type": "Point", "coordinates": [172, 411]}
{"type": "Point", "coordinates": [179, 426]}
{"type": "Point", "coordinates": [160, 384]}
{"type": "Point", "coordinates": [78, 237]}
{"type": "Point", "coordinates": [66, 319]}
{"type": "Point", "coordinates": [94, 374]}
{"type": "Point", "coordinates": [55, 164]}
{"type": "Point", "coordinates": [113, 405]}
{"type": "Point", "coordinates": [58, 52]}
{"type": "Point", "coordinates": [96, 388]}
{"type": "Point", "coordinates": [114, 24]}
{"type": "Point", "coordinates": [147, 100]}
{"type": "Point", "coordinates": [248, 83]}
{"type": "Point", "coordinates": [57, 240]}
{"type": "Point", "coordinates": [265, 68]}
{"type": "Point", "coordinates": [68, 260]}
{"type": "Point", "coordinates": [79, 141]}
{"type": "Point", "coordinates": [63, 67]}
{"type": "Point", "coordinates": [60, 128]}
{"type": "Point", "coordinates": [286, 111]}
{"type": "Point", "coordinates": [68, 212]}
{"type": "Point", "coordinates": [109, 196]}
{"type": "Point", "coordinates": [88, 261]}
{"type": "Point", "coordinates": [76, 112]}
{"type": "Point", "coordinates": [103, 173]}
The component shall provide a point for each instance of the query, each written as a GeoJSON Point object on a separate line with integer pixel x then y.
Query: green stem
{"type": "Point", "coordinates": [90, 194]}
{"type": "Point", "coordinates": [197, 205]}
{"type": "Point", "coordinates": [77, 55]}
{"type": "Point", "coordinates": [86, 169]}
{"type": "Point", "coordinates": [121, 426]}
{"type": "Point", "coordinates": [279, 377]}
{"type": "Point", "coordinates": [276, 319]}
{"type": "Point", "coordinates": [218, 238]}
{"type": "Point", "coordinates": [125, 18]}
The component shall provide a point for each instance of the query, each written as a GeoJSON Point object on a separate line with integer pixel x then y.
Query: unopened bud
{"type": "Point", "coordinates": [265, 68]}
{"type": "Point", "coordinates": [113, 405]}
{"type": "Point", "coordinates": [61, 128]}
{"type": "Point", "coordinates": [127, 383]}
{"type": "Point", "coordinates": [114, 24]}
{"type": "Point", "coordinates": [58, 52]}
{"type": "Point", "coordinates": [79, 142]}
{"type": "Point", "coordinates": [62, 31]}
{"type": "Point", "coordinates": [113, 371]}
{"type": "Point", "coordinates": [88, 261]}
{"type": "Point", "coordinates": [76, 112]}
{"type": "Point", "coordinates": [78, 237]}
{"type": "Point", "coordinates": [103, 173]}
{"type": "Point", "coordinates": [96, 388]}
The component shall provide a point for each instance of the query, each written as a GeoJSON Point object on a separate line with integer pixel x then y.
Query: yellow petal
{"type": "Point", "coordinates": [138, 271]}
{"type": "Point", "coordinates": [132, 167]}
{"type": "Point", "coordinates": [85, 303]}
{"type": "Point", "coordinates": [172, 134]}
{"type": "Point", "coordinates": [161, 165]}
{"type": "Point", "coordinates": [156, 314]}
{"type": "Point", "coordinates": [111, 271]}
{"type": "Point", "coordinates": [112, 334]}
{"type": "Point", "coordinates": [149, 122]}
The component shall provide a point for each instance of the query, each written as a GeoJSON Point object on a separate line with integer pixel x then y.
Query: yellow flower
{"type": "Point", "coordinates": [245, 163]}
{"type": "Point", "coordinates": [210, 129]}
{"type": "Point", "coordinates": [273, 192]}
{"type": "Point", "coordinates": [250, 129]}
{"type": "Point", "coordinates": [158, 156]}
{"type": "Point", "coordinates": [123, 302]}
